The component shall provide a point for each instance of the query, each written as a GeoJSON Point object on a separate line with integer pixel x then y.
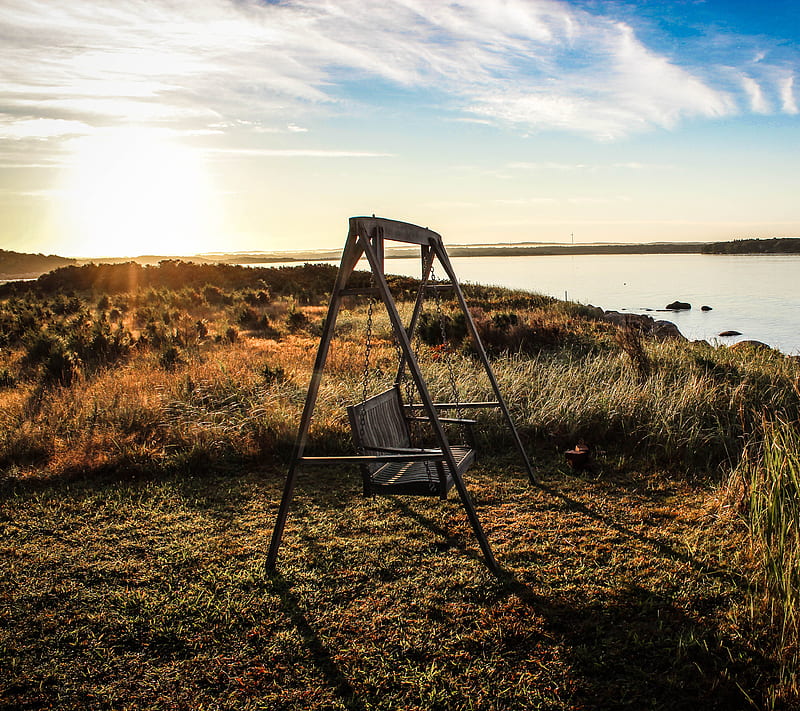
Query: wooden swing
{"type": "Point", "coordinates": [380, 425]}
{"type": "Point", "coordinates": [389, 462]}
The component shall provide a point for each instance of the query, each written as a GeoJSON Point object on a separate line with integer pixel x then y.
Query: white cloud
{"type": "Point", "coordinates": [788, 100]}
{"type": "Point", "coordinates": [41, 128]}
{"type": "Point", "coordinates": [549, 165]}
{"type": "Point", "coordinates": [585, 167]}
{"type": "Point", "coordinates": [752, 88]}
{"type": "Point", "coordinates": [201, 65]}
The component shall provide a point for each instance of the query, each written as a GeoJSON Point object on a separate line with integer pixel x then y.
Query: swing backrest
{"type": "Point", "coordinates": [380, 422]}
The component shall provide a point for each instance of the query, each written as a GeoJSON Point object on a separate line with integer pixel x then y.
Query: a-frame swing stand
{"type": "Point", "coordinates": [367, 237]}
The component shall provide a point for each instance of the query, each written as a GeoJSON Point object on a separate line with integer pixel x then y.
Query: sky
{"type": "Point", "coordinates": [179, 127]}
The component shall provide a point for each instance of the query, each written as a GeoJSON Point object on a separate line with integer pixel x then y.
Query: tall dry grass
{"type": "Point", "coordinates": [770, 475]}
{"type": "Point", "coordinates": [694, 409]}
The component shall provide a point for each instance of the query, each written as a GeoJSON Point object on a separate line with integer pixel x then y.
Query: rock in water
{"type": "Point", "coordinates": [706, 308]}
{"type": "Point", "coordinates": [679, 306]}
{"type": "Point", "coordinates": [731, 333]}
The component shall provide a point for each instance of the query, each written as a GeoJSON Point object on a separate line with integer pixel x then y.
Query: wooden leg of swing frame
{"type": "Point", "coordinates": [280, 521]}
{"type": "Point", "coordinates": [469, 507]}
{"type": "Point", "coordinates": [366, 481]}
{"type": "Point", "coordinates": [442, 481]}
{"type": "Point", "coordinates": [472, 516]}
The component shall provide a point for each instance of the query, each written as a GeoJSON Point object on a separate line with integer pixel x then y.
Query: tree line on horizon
{"type": "Point", "coordinates": [773, 245]}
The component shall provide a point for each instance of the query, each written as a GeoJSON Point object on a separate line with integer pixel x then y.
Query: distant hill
{"type": "Point", "coordinates": [775, 245]}
{"type": "Point", "coordinates": [19, 265]}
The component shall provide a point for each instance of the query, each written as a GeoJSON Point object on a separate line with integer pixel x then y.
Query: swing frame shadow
{"type": "Point", "coordinates": [366, 237]}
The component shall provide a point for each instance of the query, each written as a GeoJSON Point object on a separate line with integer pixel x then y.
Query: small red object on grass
{"type": "Point", "coordinates": [578, 458]}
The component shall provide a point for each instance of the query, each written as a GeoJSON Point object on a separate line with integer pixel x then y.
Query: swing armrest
{"type": "Point", "coordinates": [451, 420]}
{"type": "Point", "coordinates": [405, 450]}
{"type": "Point", "coordinates": [451, 405]}
{"type": "Point", "coordinates": [414, 455]}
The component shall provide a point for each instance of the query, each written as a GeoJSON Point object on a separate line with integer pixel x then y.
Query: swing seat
{"type": "Point", "coordinates": [381, 430]}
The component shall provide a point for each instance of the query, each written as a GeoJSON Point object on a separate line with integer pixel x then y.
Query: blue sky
{"type": "Point", "coordinates": [188, 126]}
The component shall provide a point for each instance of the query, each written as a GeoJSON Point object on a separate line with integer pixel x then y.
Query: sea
{"type": "Point", "coordinates": [756, 295]}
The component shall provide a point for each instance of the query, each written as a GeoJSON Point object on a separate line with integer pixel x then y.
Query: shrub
{"type": "Point", "coordinates": [296, 320]}
{"type": "Point", "coordinates": [156, 334]}
{"type": "Point", "coordinates": [106, 346]}
{"type": "Point", "coordinates": [430, 328]}
{"type": "Point", "coordinates": [249, 317]}
{"type": "Point", "coordinates": [170, 358]}
{"type": "Point", "coordinates": [64, 305]}
{"type": "Point", "coordinates": [61, 366]}
{"type": "Point", "coordinates": [273, 374]}
{"type": "Point", "coordinates": [142, 316]}
{"type": "Point", "coordinates": [38, 347]}
{"type": "Point", "coordinates": [216, 296]}
{"type": "Point", "coordinates": [7, 379]}
{"type": "Point", "coordinates": [257, 298]}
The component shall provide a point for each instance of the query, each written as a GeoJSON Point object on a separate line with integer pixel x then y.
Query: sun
{"type": "Point", "coordinates": [135, 192]}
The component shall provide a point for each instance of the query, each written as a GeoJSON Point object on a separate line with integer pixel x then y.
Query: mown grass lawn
{"type": "Point", "coordinates": [621, 591]}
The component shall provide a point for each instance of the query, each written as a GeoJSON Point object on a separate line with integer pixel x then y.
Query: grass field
{"type": "Point", "coordinates": [151, 593]}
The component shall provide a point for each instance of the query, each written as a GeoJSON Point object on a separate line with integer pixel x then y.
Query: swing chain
{"type": "Point", "coordinates": [447, 348]}
{"type": "Point", "coordinates": [405, 381]}
{"type": "Point", "coordinates": [367, 353]}
{"type": "Point", "coordinates": [365, 378]}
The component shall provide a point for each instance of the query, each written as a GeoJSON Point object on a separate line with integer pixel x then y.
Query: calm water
{"type": "Point", "coordinates": [757, 295]}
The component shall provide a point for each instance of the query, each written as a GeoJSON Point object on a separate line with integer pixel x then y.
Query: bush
{"type": "Point", "coordinates": [216, 296]}
{"type": "Point", "coordinates": [430, 327]}
{"type": "Point", "coordinates": [258, 298]}
{"type": "Point", "coordinates": [503, 332]}
{"type": "Point", "coordinates": [273, 374]}
{"type": "Point", "coordinates": [7, 379]}
{"type": "Point", "coordinates": [62, 366]}
{"type": "Point", "coordinates": [64, 305]}
{"type": "Point", "coordinates": [38, 347]}
{"type": "Point", "coordinates": [156, 334]}
{"type": "Point", "coordinates": [170, 358]}
{"type": "Point", "coordinates": [296, 320]}
{"type": "Point", "coordinates": [249, 317]}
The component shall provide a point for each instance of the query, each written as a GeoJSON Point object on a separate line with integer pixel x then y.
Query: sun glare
{"type": "Point", "coordinates": [134, 192]}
